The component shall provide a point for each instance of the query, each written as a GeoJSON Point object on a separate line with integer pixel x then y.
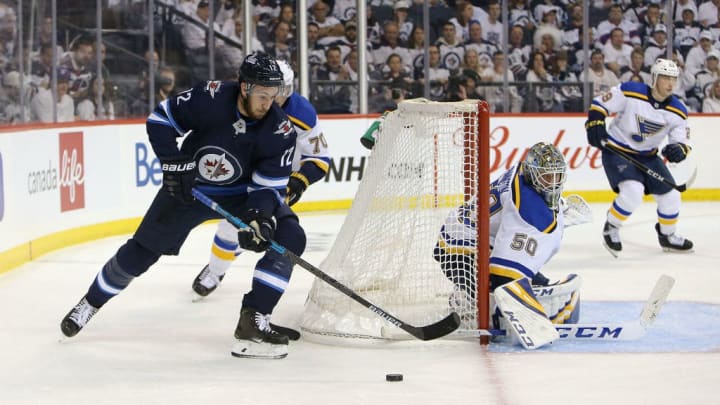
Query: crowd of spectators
{"type": "Point", "coordinates": [544, 62]}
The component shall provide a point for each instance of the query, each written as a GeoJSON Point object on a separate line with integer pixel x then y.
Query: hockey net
{"type": "Point", "coordinates": [429, 159]}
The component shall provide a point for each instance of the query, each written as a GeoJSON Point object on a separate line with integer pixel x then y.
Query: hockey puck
{"type": "Point", "coordinates": [393, 377]}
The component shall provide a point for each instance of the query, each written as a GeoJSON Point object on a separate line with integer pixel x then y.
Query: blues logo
{"type": "Point", "coordinates": [646, 129]}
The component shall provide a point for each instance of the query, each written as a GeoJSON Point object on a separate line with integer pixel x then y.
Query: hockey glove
{"type": "Point", "coordinates": [179, 177]}
{"type": "Point", "coordinates": [676, 152]}
{"type": "Point", "coordinates": [295, 188]}
{"type": "Point", "coordinates": [258, 234]}
{"type": "Point", "coordinates": [596, 132]}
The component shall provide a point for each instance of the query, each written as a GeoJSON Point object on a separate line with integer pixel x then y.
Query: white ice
{"type": "Point", "coordinates": [152, 345]}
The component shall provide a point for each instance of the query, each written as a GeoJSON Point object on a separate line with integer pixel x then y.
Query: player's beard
{"type": "Point", "coordinates": [256, 114]}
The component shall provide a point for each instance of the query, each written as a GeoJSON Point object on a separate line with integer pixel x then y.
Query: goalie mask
{"type": "Point", "coordinates": [545, 169]}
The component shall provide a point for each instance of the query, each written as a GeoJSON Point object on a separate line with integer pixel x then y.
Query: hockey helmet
{"type": "Point", "coordinates": [664, 67]}
{"type": "Point", "coordinates": [260, 69]}
{"type": "Point", "coordinates": [288, 78]}
{"type": "Point", "coordinates": [545, 170]}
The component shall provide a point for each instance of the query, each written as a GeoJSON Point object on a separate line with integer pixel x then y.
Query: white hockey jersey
{"type": "Point", "coordinates": [524, 233]}
{"type": "Point", "coordinates": [642, 123]}
{"type": "Point", "coordinates": [311, 144]}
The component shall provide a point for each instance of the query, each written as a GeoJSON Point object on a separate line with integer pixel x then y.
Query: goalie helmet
{"type": "Point", "coordinates": [664, 67]}
{"type": "Point", "coordinates": [545, 169]}
{"type": "Point", "coordinates": [288, 78]}
{"type": "Point", "coordinates": [260, 69]}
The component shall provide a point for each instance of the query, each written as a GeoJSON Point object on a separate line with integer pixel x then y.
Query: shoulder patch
{"type": "Point", "coordinates": [212, 87]}
{"type": "Point", "coordinates": [677, 106]}
{"type": "Point", "coordinates": [284, 128]}
{"type": "Point", "coordinates": [300, 111]}
{"type": "Point", "coordinates": [635, 90]}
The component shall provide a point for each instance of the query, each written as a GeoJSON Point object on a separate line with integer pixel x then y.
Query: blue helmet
{"type": "Point", "coordinates": [261, 69]}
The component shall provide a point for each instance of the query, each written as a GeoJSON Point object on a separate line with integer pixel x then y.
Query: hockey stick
{"type": "Point", "coordinates": [621, 331]}
{"type": "Point", "coordinates": [428, 332]}
{"type": "Point", "coordinates": [650, 172]}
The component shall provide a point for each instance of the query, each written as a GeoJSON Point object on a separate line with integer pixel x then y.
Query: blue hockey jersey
{"type": "Point", "coordinates": [234, 154]}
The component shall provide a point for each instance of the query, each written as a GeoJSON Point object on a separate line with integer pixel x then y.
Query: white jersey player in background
{"type": "Point", "coordinates": [526, 228]}
{"type": "Point", "coordinates": [646, 116]}
{"type": "Point", "coordinates": [310, 163]}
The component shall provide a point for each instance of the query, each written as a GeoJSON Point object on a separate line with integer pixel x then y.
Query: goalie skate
{"type": "Point", "coordinates": [673, 242]}
{"type": "Point", "coordinates": [77, 318]}
{"type": "Point", "coordinates": [255, 339]}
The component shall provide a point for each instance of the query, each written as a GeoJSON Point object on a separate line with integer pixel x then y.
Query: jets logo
{"type": "Point", "coordinates": [646, 129]}
{"type": "Point", "coordinates": [217, 166]}
{"type": "Point", "coordinates": [213, 87]}
{"type": "Point", "coordinates": [284, 129]}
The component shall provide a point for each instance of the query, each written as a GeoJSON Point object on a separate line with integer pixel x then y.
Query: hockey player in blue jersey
{"type": "Point", "coordinates": [646, 116]}
{"type": "Point", "coordinates": [238, 148]}
{"type": "Point", "coordinates": [311, 163]}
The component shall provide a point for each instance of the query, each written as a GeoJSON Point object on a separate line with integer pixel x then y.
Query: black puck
{"type": "Point", "coordinates": [393, 377]}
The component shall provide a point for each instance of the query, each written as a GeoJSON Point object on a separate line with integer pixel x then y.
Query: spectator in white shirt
{"type": "Point", "coordinates": [711, 104]}
{"type": "Point", "coordinates": [708, 13]}
{"type": "Point", "coordinates": [616, 52]}
{"type": "Point", "coordinates": [41, 105]}
{"type": "Point", "coordinates": [695, 59]}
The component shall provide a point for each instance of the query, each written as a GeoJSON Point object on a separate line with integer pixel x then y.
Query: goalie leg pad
{"type": "Point", "coordinates": [524, 314]}
{"type": "Point", "coordinates": [561, 300]}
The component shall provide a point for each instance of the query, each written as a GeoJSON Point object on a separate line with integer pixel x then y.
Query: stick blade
{"type": "Point", "coordinates": [657, 299]}
{"type": "Point", "coordinates": [436, 330]}
{"type": "Point", "coordinates": [689, 182]}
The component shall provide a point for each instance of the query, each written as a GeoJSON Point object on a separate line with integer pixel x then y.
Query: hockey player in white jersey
{"type": "Point", "coordinates": [526, 228]}
{"type": "Point", "coordinates": [646, 117]}
{"type": "Point", "coordinates": [310, 164]}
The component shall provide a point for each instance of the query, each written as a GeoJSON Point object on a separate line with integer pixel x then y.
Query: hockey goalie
{"type": "Point", "coordinates": [527, 221]}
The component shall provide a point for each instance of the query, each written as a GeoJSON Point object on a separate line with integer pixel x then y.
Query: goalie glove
{"type": "Point", "coordinates": [676, 152]}
{"type": "Point", "coordinates": [297, 184]}
{"type": "Point", "coordinates": [596, 132]}
{"type": "Point", "coordinates": [259, 232]}
{"type": "Point", "coordinates": [179, 177]}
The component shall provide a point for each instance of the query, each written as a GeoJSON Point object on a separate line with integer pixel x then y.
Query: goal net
{"type": "Point", "coordinates": [430, 158]}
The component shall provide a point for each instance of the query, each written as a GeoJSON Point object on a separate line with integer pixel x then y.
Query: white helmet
{"type": "Point", "coordinates": [288, 78]}
{"type": "Point", "coordinates": [664, 67]}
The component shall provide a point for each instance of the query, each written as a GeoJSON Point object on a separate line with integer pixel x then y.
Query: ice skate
{"type": "Point", "coordinates": [205, 283]}
{"type": "Point", "coordinates": [611, 239]}
{"type": "Point", "coordinates": [255, 339]}
{"type": "Point", "coordinates": [77, 318]}
{"type": "Point", "coordinates": [673, 242]}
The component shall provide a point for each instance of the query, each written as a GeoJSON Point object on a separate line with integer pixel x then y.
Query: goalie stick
{"type": "Point", "coordinates": [620, 331]}
{"type": "Point", "coordinates": [428, 332]}
{"type": "Point", "coordinates": [650, 172]}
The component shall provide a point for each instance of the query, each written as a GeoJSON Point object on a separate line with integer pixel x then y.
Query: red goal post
{"type": "Point", "coordinates": [430, 158]}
